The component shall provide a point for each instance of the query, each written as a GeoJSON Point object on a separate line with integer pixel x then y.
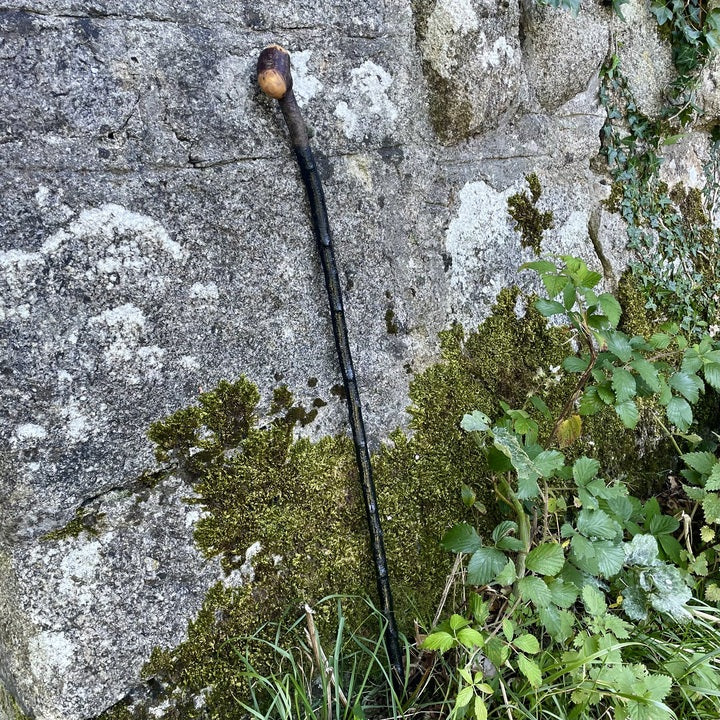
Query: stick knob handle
{"type": "Point", "coordinates": [273, 72]}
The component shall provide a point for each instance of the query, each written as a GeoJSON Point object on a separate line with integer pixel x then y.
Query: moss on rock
{"type": "Point", "coordinates": [298, 502]}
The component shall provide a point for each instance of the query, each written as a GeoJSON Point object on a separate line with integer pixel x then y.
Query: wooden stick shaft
{"type": "Point", "coordinates": [274, 72]}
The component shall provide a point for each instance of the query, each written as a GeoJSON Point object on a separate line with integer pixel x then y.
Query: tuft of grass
{"type": "Point", "coordinates": [348, 678]}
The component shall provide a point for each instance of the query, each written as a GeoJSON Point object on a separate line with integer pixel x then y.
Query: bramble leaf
{"type": "Point", "coordinates": [535, 590]}
{"type": "Point", "coordinates": [546, 559]}
{"type": "Point", "coordinates": [530, 670]}
{"type": "Point", "coordinates": [628, 412]}
{"type": "Point", "coordinates": [484, 565]}
{"type": "Point", "coordinates": [462, 538]}
{"type": "Point", "coordinates": [679, 413]}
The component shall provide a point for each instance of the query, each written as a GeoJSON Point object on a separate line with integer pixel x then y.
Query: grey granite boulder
{"type": "Point", "coordinates": [154, 240]}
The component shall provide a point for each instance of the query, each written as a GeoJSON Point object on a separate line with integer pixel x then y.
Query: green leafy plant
{"type": "Point", "coordinates": [561, 585]}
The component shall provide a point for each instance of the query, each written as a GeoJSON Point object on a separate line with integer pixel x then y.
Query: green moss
{"type": "Point", "coordinates": [83, 521]}
{"type": "Point", "coordinates": [636, 318]}
{"type": "Point", "coordinates": [529, 221]}
{"type": "Point", "coordinates": [301, 500]}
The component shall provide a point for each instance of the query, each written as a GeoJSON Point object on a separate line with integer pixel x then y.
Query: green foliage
{"type": "Point", "coordinates": [579, 562]}
{"type": "Point", "coordinates": [669, 230]}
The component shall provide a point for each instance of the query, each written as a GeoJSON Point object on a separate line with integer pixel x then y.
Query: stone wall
{"type": "Point", "coordinates": [154, 240]}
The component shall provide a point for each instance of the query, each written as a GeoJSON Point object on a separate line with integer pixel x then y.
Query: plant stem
{"type": "Point", "coordinates": [523, 522]}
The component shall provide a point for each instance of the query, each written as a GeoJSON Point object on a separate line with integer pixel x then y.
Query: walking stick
{"type": "Point", "coordinates": [275, 81]}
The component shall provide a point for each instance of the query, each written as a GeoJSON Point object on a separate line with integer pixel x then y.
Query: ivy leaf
{"type": "Point", "coordinates": [628, 412]}
{"type": "Point", "coordinates": [484, 565]}
{"type": "Point", "coordinates": [546, 559]}
{"type": "Point", "coordinates": [619, 345]}
{"type": "Point", "coordinates": [530, 670]}
{"type": "Point", "coordinates": [679, 413]}
{"type": "Point", "coordinates": [610, 307]}
{"type": "Point", "coordinates": [535, 590]}
{"type": "Point", "coordinates": [688, 385]}
{"type": "Point", "coordinates": [461, 538]}
{"type": "Point", "coordinates": [527, 643]}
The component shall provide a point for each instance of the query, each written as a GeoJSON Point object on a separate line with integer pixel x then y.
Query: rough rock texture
{"type": "Point", "coordinates": [154, 239]}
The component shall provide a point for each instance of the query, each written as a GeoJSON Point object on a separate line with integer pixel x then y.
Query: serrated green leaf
{"type": "Point", "coordinates": [530, 670]}
{"type": "Point", "coordinates": [496, 651]}
{"type": "Point", "coordinates": [476, 421]}
{"type": "Point", "coordinates": [470, 638]}
{"type": "Point", "coordinates": [621, 629]}
{"type": "Point", "coordinates": [689, 386]}
{"type": "Point", "coordinates": [642, 550]}
{"type": "Point", "coordinates": [585, 469]}
{"type": "Point", "coordinates": [590, 402]}
{"type": "Point", "coordinates": [558, 623]}
{"type": "Point", "coordinates": [479, 608]}
{"type": "Point", "coordinates": [711, 508]}
{"type": "Point", "coordinates": [609, 557]}
{"type": "Point", "coordinates": [663, 524]}
{"type": "Point", "coordinates": [457, 622]}
{"type": "Point", "coordinates": [606, 393]}
{"type": "Point", "coordinates": [464, 696]}
{"type": "Point", "coordinates": [502, 529]}
{"type": "Point", "coordinates": [659, 341]}
{"type": "Point", "coordinates": [594, 601]}
{"type": "Point", "coordinates": [703, 462]}
{"type": "Point", "coordinates": [574, 364]}
{"type": "Point", "coordinates": [461, 538]}
{"type": "Point", "coordinates": [508, 629]}
{"type": "Point", "coordinates": [596, 524]}
{"type": "Point", "coordinates": [628, 412]}
{"type": "Point", "coordinates": [484, 565]}
{"type": "Point", "coordinates": [648, 372]}
{"type": "Point", "coordinates": [610, 307]}
{"type": "Point", "coordinates": [712, 375]}
{"type": "Point", "coordinates": [619, 345]}
{"type": "Point", "coordinates": [539, 266]}
{"type": "Point", "coordinates": [679, 413]}
{"type": "Point", "coordinates": [527, 643]}
{"type": "Point", "coordinates": [440, 641]}
{"type": "Point", "coordinates": [535, 590]}
{"type": "Point", "coordinates": [527, 473]}
{"type": "Point", "coordinates": [657, 687]}
{"type": "Point", "coordinates": [568, 296]}
{"type": "Point", "coordinates": [507, 575]}
{"type": "Point", "coordinates": [546, 559]}
{"type": "Point", "coordinates": [563, 594]}
{"type": "Point", "coordinates": [672, 548]}
{"type": "Point", "coordinates": [548, 308]}
{"type": "Point", "coordinates": [582, 548]}
{"type": "Point", "coordinates": [623, 383]}
{"type": "Point", "coordinates": [713, 481]}
{"type": "Point", "coordinates": [480, 709]}
{"type": "Point", "coordinates": [548, 461]}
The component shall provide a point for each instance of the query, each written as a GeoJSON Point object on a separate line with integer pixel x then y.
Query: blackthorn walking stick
{"type": "Point", "coordinates": [275, 80]}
